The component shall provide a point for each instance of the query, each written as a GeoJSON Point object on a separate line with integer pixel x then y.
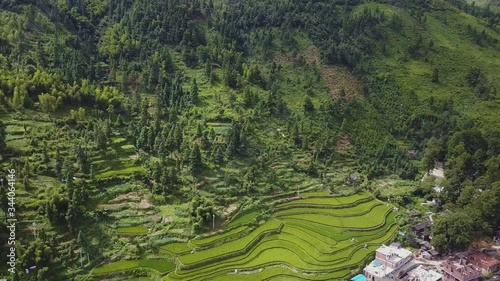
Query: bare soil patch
{"type": "Point", "coordinates": [229, 210]}
{"type": "Point", "coordinates": [145, 204]}
{"type": "Point", "coordinates": [127, 197]}
{"type": "Point", "coordinates": [156, 218]}
{"type": "Point", "coordinates": [284, 200]}
{"type": "Point", "coordinates": [115, 207]}
{"type": "Point", "coordinates": [344, 144]}
{"type": "Point", "coordinates": [337, 77]}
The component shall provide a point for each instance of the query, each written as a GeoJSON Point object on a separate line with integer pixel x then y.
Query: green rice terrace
{"type": "Point", "coordinates": [243, 140]}
{"type": "Point", "coordinates": [315, 237]}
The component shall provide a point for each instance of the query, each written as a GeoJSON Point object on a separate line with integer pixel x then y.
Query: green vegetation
{"type": "Point", "coordinates": [136, 230]}
{"type": "Point", "coordinates": [117, 266]}
{"type": "Point", "coordinates": [176, 248]}
{"type": "Point", "coordinates": [332, 201]}
{"type": "Point", "coordinates": [162, 266]}
{"type": "Point", "coordinates": [243, 219]}
{"type": "Point", "coordinates": [234, 246]}
{"type": "Point", "coordinates": [306, 243]}
{"type": "Point", "coordinates": [218, 238]}
{"type": "Point", "coordinates": [256, 136]}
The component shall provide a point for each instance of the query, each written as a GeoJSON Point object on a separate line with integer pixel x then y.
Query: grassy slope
{"type": "Point", "coordinates": [494, 4]}
{"type": "Point", "coordinates": [453, 54]}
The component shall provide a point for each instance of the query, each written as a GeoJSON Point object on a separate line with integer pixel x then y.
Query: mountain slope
{"type": "Point", "coordinates": [132, 123]}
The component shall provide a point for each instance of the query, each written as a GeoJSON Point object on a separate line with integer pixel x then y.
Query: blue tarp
{"type": "Point", "coordinates": [359, 277]}
{"type": "Point", "coordinates": [377, 263]}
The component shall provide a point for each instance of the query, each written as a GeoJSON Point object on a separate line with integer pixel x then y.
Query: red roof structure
{"type": "Point", "coordinates": [460, 270]}
{"type": "Point", "coordinates": [484, 261]}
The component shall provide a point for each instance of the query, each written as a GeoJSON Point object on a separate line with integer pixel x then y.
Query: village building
{"type": "Point", "coordinates": [438, 188]}
{"type": "Point", "coordinates": [422, 230]}
{"type": "Point", "coordinates": [434, 253]}
{"type": "Point", "coordinates": [396, 263]}
{"type": "Point", "coordinates": [496, 238]}
{"type": "Point", "coordinates": [485, 262]}
{"type": "Point", "coordinates": [462, 256]}
{"type": "Point", "coordinates": [430, 254]}
{"type": "Point", "coordinates": [421, 274]}
{"type": "Point", "coordinates": [459, 270]}
{"type": "Point", "coordinates": [411, 153]}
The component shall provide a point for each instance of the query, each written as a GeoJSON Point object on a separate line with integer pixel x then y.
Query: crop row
{"type": "Point", "coordinates": [273, 272]}
{"type": "Point", "coordinates": [320, 242]}
{"type": "Point", "coordinates": [352, 211]}
{"type": "Point", "coordinates": [263, 256]}
{"type": "Point", "coordinates": [329, 202]}
{"type": "Point", "coordinates": [162, 266]}
{"type": "Point", "coordinates": [369, 220]}
{"type": "Point", "coordinates": [313, 241]}
{"type": "Point", "coordinates": [242, 219]}
{"type": "Point", "coordinates": [330, 254]}
{"type": "Point", "coordinates": [335, 233]}
{"type": "Point", "coordinates": [230, 249]}
{"type": "Point", "coordinates": [134, 230]}
{"type": "Point", "coordinates": [210, 241]}
{"type": "Point", "coordinates": [176, 248]}
{"type": "Point", "coordinates": [267, 252]}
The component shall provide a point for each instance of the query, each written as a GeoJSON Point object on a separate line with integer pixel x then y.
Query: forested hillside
{"type": "Point", "coordinates": [135, 124]}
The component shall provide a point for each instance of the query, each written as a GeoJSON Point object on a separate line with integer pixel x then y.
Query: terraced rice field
{"type": "Point", "coordinates": [135, 230]}
{"type": "Point", "coordinates": [314, 238]}
{"type": "Point", "coordinates": [320, 238]}
{"type": "Point", "coordinates": [162, 266]}
{"type": "Point", "coordinates": [218, 238]}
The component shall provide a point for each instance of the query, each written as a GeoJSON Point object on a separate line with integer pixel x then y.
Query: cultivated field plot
{"type": "Point", "coordinates": [314, 238]}
{"type": "Point", "coordinates": [320, 238]}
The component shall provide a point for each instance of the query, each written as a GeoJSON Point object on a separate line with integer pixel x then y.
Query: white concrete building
{"type": "Point", "coordinates": [396, 263]}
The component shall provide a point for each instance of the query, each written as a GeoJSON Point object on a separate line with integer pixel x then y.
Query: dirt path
{"type": "Point", "coordinates": [229, 210]}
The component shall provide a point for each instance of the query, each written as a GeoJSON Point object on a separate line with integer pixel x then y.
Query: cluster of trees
{"type": "Point", "coordinates": [51, 92]}
{"type": "Point", "coordinates": [344, 36]}
{"type": "Point", "coordinates": [471, 156]}
{"type": "Point", "coordinates": [477, 216]}
{"type": "Point", "coordinates": [201, 212]}
{"type": "Point", "coordinates": [3, 138]}
{"type": "Point", "coordinates": [481, 38]}
{"type": "Point", "coordinates": [419, 48]}
{"type": "Point", "coordinates": [479, 11]}
{"type": "Point", "coordinates": [125, 48]}
{"type": "Point", "coordinates": [180, 144]}
{"type": "Point", "coordinates": [477, 80]}
{"type": "Point", "coordinates": [472, 186]}
{"type": "Point", "coordinates": [110, 51]}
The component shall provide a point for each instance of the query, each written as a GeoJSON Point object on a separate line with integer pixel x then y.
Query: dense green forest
{"type": "Point", "coordinates": [152, 116]}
